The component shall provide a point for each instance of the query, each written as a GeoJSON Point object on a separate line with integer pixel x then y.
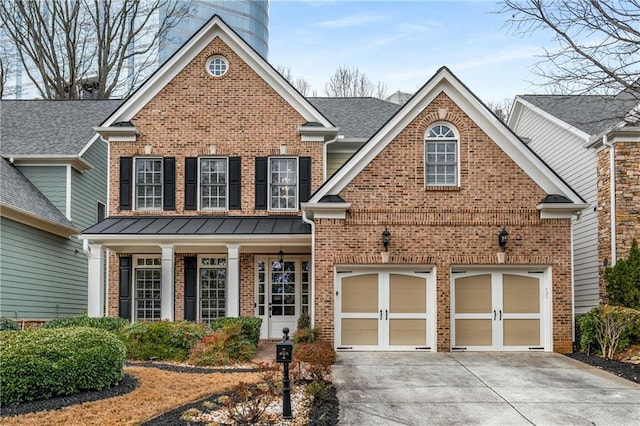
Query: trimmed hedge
{"type": "Point", "coordinates": [44, 363]}
{"type": "Point", "coordinates": [104, 323]}
{"type": "Point", "coordinates": [162, 340]}
{"type": "Point", "coordinates": [8, 324]}
{"type": "Point", "coordinates": [250, 326]}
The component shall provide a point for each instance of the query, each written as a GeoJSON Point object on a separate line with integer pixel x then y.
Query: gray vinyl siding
{"type": "Point", "coordinates": [89, 187]}
{"type": "Point", "coordinates": [565, 153]}
{"type": "Point", "coordinates": [42, 275]}
{"type": "Point", "coordinates": [335, 160]}
{"type": "Point", "coordinates": [51, 181]}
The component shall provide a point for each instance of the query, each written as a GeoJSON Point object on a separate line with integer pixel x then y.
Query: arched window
{"type": "Point", "coordinates": [441, 156]}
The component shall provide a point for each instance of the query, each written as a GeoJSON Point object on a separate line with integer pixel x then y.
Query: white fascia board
{"type": "Point", "coordinates": [560, 210]}
{"type": "Point", "coordinates": [553, 119]}
{"type": "Point", "coordinates": [326, 210]}
{"type": "Point", "coordinates": [215, 28]}
{"type": "Point", "coordinates": [75, 161]}
{"type": "Point", "coordinates": [618, 133]}
{"type": "Point", "coordinates": [113, 240]}
{"type": "Point", "coordinates": [88, 145]}
{"type": "Point", "coordinates": [446, 83]}
{"type": "Point", "coordinates": [117, 134]}
{"type": "Point", "coordinates": [317, 134]}
{"type": "Point", "coordinates": [34, 221]}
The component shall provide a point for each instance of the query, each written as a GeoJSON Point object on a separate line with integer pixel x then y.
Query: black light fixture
{"type": "Point", "coordinates": [503, 237]}
{"type": "Point", "coordinates": [386, 238]}
{"type": "Point", "coordinates": [281, 256]}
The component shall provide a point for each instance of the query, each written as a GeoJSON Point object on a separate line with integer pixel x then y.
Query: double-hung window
{"type": "Point", "coordinates": [148, 184]}
{"type": "Point", "coordinates": [213, 183]}
{"type": "Point", "coordinates": [283, 183]}
{"type": "Point", "coordinates": [441, 156]}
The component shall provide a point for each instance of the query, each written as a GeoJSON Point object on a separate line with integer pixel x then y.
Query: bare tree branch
{"type": "Point", "coordinates": [300, 84]}
{"type": "Point", "coordinates": [351, 82]}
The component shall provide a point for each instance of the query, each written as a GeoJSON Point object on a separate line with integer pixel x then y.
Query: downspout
{"type": "Point", "coordinates": [312, 305]}
{"type": "Point", "coordinates": [612, 195]}
{"type": "Point", "coordinates": [324, 153]}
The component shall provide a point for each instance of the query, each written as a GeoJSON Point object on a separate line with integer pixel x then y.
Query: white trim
{"type": "Point", "coordinates": [134, 191]}
{"type": "Point", "coordinates": [552, 118]}
{"type": "Point", "coordinates": [88, 145]}
{"type": "Point", "coordinates": [68, 193]}
{"type": "Point", "coordinates": [455, 139]}
{"type": "Point", "coordinates": [560, 210]}
{"type": "Point", "coordinates": [270, 183]}
{"type": "Point", "coordinates": [199, 180]}
{"type": "Point", "coordinates": [95, 290]}
{"type": "Point", "coordinates": [77, 162]}
{"type": "Point", "coordinates": [233, 280]}
{"type": "Point", "coordinates": [445, 82]}
{"type": "Point", "coordinates": [35, 221]}
{"type": "Point", "coordinates": [325, 210]}
{"type": "Point", "coordinates": [117, 134]}
{"type": "Point", "coordinates": [167, 308]}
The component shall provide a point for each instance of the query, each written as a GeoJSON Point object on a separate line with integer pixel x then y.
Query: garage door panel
{"type": "Point", "coordinates": [521, 332]}
{"type": "Point", "coordinates": [520, 294]}
{"type": "Point", "coordinates": [407, 294]}
{"type": "Point", "coordinates": [407, 332]}
{"type": "Point", "coordinates": [360, 294]}
{"type": "Point", "coordinates": [474, 332]}
{"type": "Point", "coordinates": [360, 331]}
{"type": "Point", "coordinates": [473, 294]}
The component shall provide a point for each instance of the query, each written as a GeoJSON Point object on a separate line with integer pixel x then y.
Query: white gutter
{"type": "Point", "coordinates": [612, 196]}
{"type": "Point", "coordinates": [312, 295]}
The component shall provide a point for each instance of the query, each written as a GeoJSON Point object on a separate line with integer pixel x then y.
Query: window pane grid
{"type": "Point", "coordinates": [283, 288]}
{"type": "Point", "coordinates": [147, 292]}
{"type": "Point", "coordinates": [441, 157]}
{"type": "Point", "coordinates": [149, 183]}
{"type": "Point", "coordinates": [213, 183]}
{"type": "Point", "coordinates": [284, 184]}
{"type": "Point", "coordinates": [213, 293]}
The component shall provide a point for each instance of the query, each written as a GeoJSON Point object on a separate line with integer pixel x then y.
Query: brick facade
{"type": "Point", "coordinates": [627, 199]}
{"type": "Point", "coordinates": [445, 228]}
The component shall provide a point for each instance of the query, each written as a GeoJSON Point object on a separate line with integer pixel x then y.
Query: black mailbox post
{"type": "Point", "coordinates": [284, 355]}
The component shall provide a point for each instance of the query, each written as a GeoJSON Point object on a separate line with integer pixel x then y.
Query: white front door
{"type": "Point", "coordinates": [385, 310]}
{"type": "Point", "coordinates": [499, 311]}
{"type": "Point", "coordinates": [282, 293]}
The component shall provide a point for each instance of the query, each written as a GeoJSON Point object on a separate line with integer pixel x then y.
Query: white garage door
{"type": "Point", "coordinates": [500, 311]}
{"type": "Point", "coordinates": [385, 310]}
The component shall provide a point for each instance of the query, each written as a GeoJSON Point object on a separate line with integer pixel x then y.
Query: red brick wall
{"type": "Point", "coordinates": [444, 227]}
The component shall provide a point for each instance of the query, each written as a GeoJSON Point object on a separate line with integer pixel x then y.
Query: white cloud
{"type": "Point", "coordinates": [351, 21]}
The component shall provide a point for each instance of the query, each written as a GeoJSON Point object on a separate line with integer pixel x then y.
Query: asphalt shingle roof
{"type": "Point", "coordinates": [356, 117]}
{"type": "Point", "coordinates": [46, 127]}
{"type": "Point", "coordinates": [18, 192]}
{"type": "Point", "coordinates": [590, 113]}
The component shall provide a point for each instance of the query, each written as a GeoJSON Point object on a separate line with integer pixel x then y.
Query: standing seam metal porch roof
{"type": "Point", "coordinates": [200, 225]}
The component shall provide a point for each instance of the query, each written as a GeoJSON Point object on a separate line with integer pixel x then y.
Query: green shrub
{"type": "Point", "coordinates": [319, 356]}
{"type": "Point", "coordinates": [250, 326]}
{"type": "Point", "coordinates": [8, 324]}
{"type": "Point", "coordinates": [307, 335]}
{"type": "Point", "coordinates": [608, 328]}
{"type": "Point", "coordinates": [104, 323]}
{"type": "Point", "coordinates": [304, 321]}
{"type": "Point", "coordinates": [162, 340]}
{"type": "Point", "coordinates": [623, 280]}
{"type": "Point", "coordinates": [43, 363]}
{"type": "Point", "coordinates": [224, 346]}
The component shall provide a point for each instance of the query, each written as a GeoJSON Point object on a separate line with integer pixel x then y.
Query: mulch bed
{"type": "Point", "coordinates": [626, 370]}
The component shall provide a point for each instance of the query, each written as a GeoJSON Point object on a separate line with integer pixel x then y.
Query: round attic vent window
{"type": "Point", "coordinates": [217, 66]}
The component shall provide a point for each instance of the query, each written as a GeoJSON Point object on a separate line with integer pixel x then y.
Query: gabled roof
{"type": "Point", "coordinates": [589, 113]}
{"type": "Point", "coordinates": [214, 28]}
{"type": "Point", "coordinates": [20, 200]}
{"type": "Point", "coordinates": [357, 118]}
{"type": "Point", "coordinates": [444, 81]}
{"type": "Point", "coordinates": [50, 128]}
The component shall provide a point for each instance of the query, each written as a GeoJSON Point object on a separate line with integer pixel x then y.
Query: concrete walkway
{"type": "Point", "coordinates": [409, 388]}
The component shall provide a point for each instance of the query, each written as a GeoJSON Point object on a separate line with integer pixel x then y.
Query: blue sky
{"type": "Point", "coordinates": [403, 43]}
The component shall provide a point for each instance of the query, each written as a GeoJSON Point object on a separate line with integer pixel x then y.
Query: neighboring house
{"type": "Point", "coordinates": [53, 185]}
{"type": "Point", "coordinates": [585, 139]}
{"type": "Point", "coordinates": [219, 205]}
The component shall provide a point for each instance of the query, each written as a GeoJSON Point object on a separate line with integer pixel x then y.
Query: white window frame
{"type": "Point", "coordinates": [200, 184]}
{"type": "Point", "coordinates": [455, 139]}
{"type": "Point", "coordinates": [135, 183]}
{"type": "Point", "coordinates": [271, 184]}
{"type": "Point", "coordinates": [202, 265]}
{"type": "Point", "coordinates": [218, 71]}
{"type": "Point", "coordinates": [149, 263]}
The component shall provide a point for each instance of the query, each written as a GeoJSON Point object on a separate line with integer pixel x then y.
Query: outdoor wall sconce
{"type": "Point", "coordinates": [386, 238]}
{"type": "Point", "coordinates": [280, 256]}
{"type": "Point", "coordinates": [503, 237]}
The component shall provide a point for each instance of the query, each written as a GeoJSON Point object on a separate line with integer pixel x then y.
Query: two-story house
{"type": "Point", "coordinates": [53, 185]}
{"type": "Point", "coordinates": [592, 142]}
{"type": "Point", "coordinates": [442, 232]}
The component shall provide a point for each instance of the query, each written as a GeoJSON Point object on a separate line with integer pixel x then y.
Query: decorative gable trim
{"type": "Point", "coordinates": [215, 28]}
{"type": "Point", "coordinates": [445, 82]}
{"type": "Point", "coordinates": [560, 210]}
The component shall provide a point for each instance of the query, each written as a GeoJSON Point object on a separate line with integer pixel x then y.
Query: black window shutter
{"type": "Point", "coordinates": [261, 183]}
{"type": "Point", "coordinates": [190, 288]}
{"type": "Point", "coordinates": [304, 178]}
{"type": "Point", "coordinates": [169, 178]}
{"type": "Point", "coordinates": [126, 182]}
{"type": "Point", "coordinates": [124, 288]}
{"type": "Point", "coordinates": [235, 183]}
{"type": "Point", "coordinates": [191, 183]}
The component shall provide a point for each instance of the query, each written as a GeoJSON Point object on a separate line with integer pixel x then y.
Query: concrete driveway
{"type": "Point", "coordinates": [471, 388]}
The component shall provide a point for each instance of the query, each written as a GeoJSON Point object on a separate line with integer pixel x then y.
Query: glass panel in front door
{"type": "Point", "coordinates": [283, 288]}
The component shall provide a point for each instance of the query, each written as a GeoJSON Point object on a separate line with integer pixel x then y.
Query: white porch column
{"type": "Point", "coordinates": [95, 275]}
{"type": "Point", "coordinates": [233, 280]}
{"type": "Point", "coordinates": [167, 284]}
